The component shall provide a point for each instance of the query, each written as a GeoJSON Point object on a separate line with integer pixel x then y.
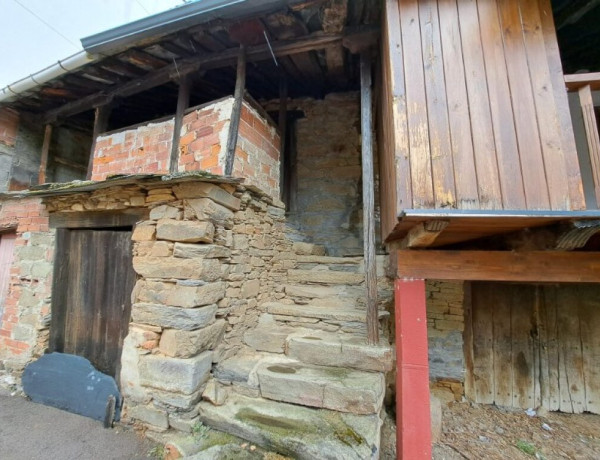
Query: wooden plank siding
{"type": "Point", "coordinates": [472, 111]}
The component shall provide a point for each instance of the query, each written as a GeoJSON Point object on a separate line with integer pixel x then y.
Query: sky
{"type": "Point", "coordinates": [36, 33]}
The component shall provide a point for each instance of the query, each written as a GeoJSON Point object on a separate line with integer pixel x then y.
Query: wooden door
{"type": "Point", "coordinates": [91, 304]}
{"type": "Point", "coordinates": [7, 245]}
{"type": "Point", "coordinates": [534, 345]}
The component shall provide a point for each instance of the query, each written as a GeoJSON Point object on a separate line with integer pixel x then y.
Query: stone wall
{"type": "Point", "coordinates": [329, 195]}
{"type": "Point", "coordinates": [20, 151]}
{"type": "Point", "coordinates": [25, 321]}
{"type": "Point", "coordinates": [203, 146]}
{"type": "Point", "coordinates": [445, 326]}
{"type": "Point", "coordinates": [206, 258]}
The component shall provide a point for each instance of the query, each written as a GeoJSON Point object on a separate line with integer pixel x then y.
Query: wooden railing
{"type": "Point", "coordinates": [584, 84]}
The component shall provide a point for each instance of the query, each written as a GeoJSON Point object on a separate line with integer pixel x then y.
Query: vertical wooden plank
{"type": "Point", "coordinates": [470, 392]}
{"type": "Point", "coordinates": [521, 299]}
{"type": "Point", "coordinates": [236, 112]}
{"type": "Point", "coordinates": [368, 181]}
{"type": "Point", "coordinates": [490, 195]}
{"type": "Point", "coordinates": [545, 105]}
{"type": "Point", "coordinates": [101, 117]}
{"type": "Point", "coordinates": [467, 196]}
{"type": "Point", "coordinates": [542, 350]}
{"type": "Point", "coordinates": [589, 323]}
{"type": "Point", "coordinates": [572, 387]}
{"type": "Point", "coordinates": [45, 151]}
{"type": "Point", "coordinates": [509, 162]}
{"type": "Point", "coordinates": [502, 346]}
{"type": "Point", "coordinates": [416, 104]}
{"type": "Point", "coordinates": [60, 283]}
{"type": "Point", "coordinates": [483, 346]}
{"type": "Point", "coordinates": [552, 325]}
{"type": "Point", "coordinates": [560, 97]}
{"type": "Point", "coordinates": [183, 101]}
{"type": "Point", "coordinates": [593, 138]}
{"type": "Point", "coordinates": [525, 117]}
{"type": "Point", "coordinates": [535, 336]}
{"type": "Point", "coordinates": [442, 164]}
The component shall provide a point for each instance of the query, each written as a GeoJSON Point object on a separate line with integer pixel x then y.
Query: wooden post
{"type": "Point", "coordinates": [413, 417]}
{"type": "Point", "coordinates": [593, 139]}
{"type": "Point", "coordinates": [45, 151]}
{"type": "Point", "coordinates": [183, 101]}
{"type": "Point", "coordinates": [236, 113]}
{"type": "Point", "coordinates": [283, 95]}
{"type": "Point", "coordinates": [102, 113]}
{"type": "Point", "coordinates": [368, 181]}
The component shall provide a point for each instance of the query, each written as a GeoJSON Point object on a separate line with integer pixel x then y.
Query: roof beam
{"type": "Point", "coordinates": [186, 66]}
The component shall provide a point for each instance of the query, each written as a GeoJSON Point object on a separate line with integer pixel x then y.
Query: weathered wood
{"type": "Point", "coordinates": [183, 102]}
{"type": "Point", "coordinates": [44, 156]}
{"type": "Point", "coordinates": [103, 219]}
{"type": "Point", "coordinates": [442, 164]}
{"type": "Point", "coordinates": [69, 163]}
{"type": "Point", "coordinates": [467, 195]}
{"type": "Point", "coordinates": [550, 308]}
{"type": "Point", "coordinates": [502, 343]}
{"type": "Point", "coordinates": [101, 116]}
{"type": "Point", "coordinates": [589, 322]}
{"type": "Point", "coordinates": [579, 80]}
{"type": "Point", "coordinates": [468, 339]}
{"type": "Point", "coordinates": [212, 60]}
{"type": "Point", "coordinates": [532, 266]}
{"type": "Point", "coordinates": [424, 234]}
{"type": "Point", "coordinates": [483, 350]}
{"type": "Point", "coordinates": [521, 301]}
{"type": "Point", "coordinates": [368, 180]}
{"type": "Point", "coordinates": [236, 111]}
{"type": "Point", "coordinates": [416, 104]}
{"type": "Point", "coordinates": [591, 131]}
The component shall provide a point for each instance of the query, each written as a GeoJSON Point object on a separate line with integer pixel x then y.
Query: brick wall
{"type": "Point", "coordinates": [25, 321]}
{"type": "Point", "coordinates": [141, 149]}
{"type": "Point", "coordinates": [445, 326]}
{"type": "Point", "coordinates": [203, 144]}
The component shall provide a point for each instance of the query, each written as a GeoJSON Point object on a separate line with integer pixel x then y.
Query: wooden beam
{"type": "Point", "coordinates": [578, 80]}
{"type": "Point", "coordinates": [424, 234]}
{"type": "Point", "coordinates": [101, 117]}
{"type": "Point", "coordinates": [236, 112]}
{"type": "Point", "coordinates": [182, 67]}
{"type": "Point", "coordinates": [183, 101]}
{"type": "Point", "coordinates": [574, 12]}
{"type": "Point", "coordinates": [530, 266]}
{"type": "Point", "coordinates": [45, 151]}
{"type": "Point", "coordinates": [592, 136]}
{"type": "Point", "coordinates": [366, 117]}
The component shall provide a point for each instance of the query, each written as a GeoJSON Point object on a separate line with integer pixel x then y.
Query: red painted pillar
{"type": "Point", "coordinates": [413, 418]}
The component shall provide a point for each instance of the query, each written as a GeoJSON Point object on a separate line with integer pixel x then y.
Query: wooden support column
{"type": "Point", "coordinates": [183, 102]}
{"type": "Point", "coordinates": [366, 110]}
{"type": "Point", "coordinates": [593, 139]}
{"type": "Point", "coordinates": [45, 151]}
{"type": "Point", "coordinates": [101, 115]}
{"type": "Point", "coordinates": [236, 113]}
{"type": "Point", "coordinates": [413, 417]}
{"type": "Point", "coordinates": [282, 122]}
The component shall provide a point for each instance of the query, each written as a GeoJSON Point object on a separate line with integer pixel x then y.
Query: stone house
{"type": "Point", "coordinates": [279, 217]}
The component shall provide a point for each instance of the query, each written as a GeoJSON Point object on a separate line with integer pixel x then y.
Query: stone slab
{"type": "Point", "coordinates": [238, 367]}
{"type": "Point", "coordinates": [169, 268]}
{"type": "Point", "coordinates": [324, 277]}
{"type": "Point", "coordinates": [71, 383]}
{"type": "Point", "coordinates": [206, 190]}
{"type": "Point", "coordinates": [149, 415]}
{"type": "Point", "coordinates": [311, 311]}
{"type": "Point", "coordinates": [335, 388]}
{"type": "Point", "coordinates": [207, 209]}
{"type": "Point", "coordinates": [299, 432]}
{"type": "Point", "coordinates": [187, 319]}
{"type": "Point", "coordinates": [326, 349]}
{"type": "Point", "coordinates": [185, 344]}
{"type": "Point", "coordinates": [206, 251]}
{"type": "Point", "coordinates": [174, 374]}
{"type": "Point", "coordinates": [185, 231]}
{"type": "Point", "coordinates": [177, 295]}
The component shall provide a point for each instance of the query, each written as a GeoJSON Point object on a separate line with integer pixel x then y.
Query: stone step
{"type": "Point", "coordinates": [334, 388]}
{"type": "Point", "coordinates": [302, 248]}
{"type": "Point", "coordinates": [327, 260]}
{"type": "Point", "coordinates": [340, 350]}
{"type": "Point", "coordinates": [323, 313]}
{"type": "Point", "coordinates": [296, 431]}
{"type": "Point", "coordinates": [324, 277]}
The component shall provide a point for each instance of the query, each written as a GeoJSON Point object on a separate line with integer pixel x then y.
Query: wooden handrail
{"type": "Point", "coordinates": [576, 81]}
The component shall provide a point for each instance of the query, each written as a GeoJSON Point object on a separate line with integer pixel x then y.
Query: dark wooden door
{"type": "Point", "coordinates": [534, 345]}
{"type": "Point", "coordinates": [91, 300]}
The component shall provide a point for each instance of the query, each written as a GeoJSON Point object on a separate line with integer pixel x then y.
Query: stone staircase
{"type": "Point", "coordinates": [307, 385]}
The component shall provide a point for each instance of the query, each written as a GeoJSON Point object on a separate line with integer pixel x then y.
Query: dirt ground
{"type": "Point", "coordinates": [476, 431]}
